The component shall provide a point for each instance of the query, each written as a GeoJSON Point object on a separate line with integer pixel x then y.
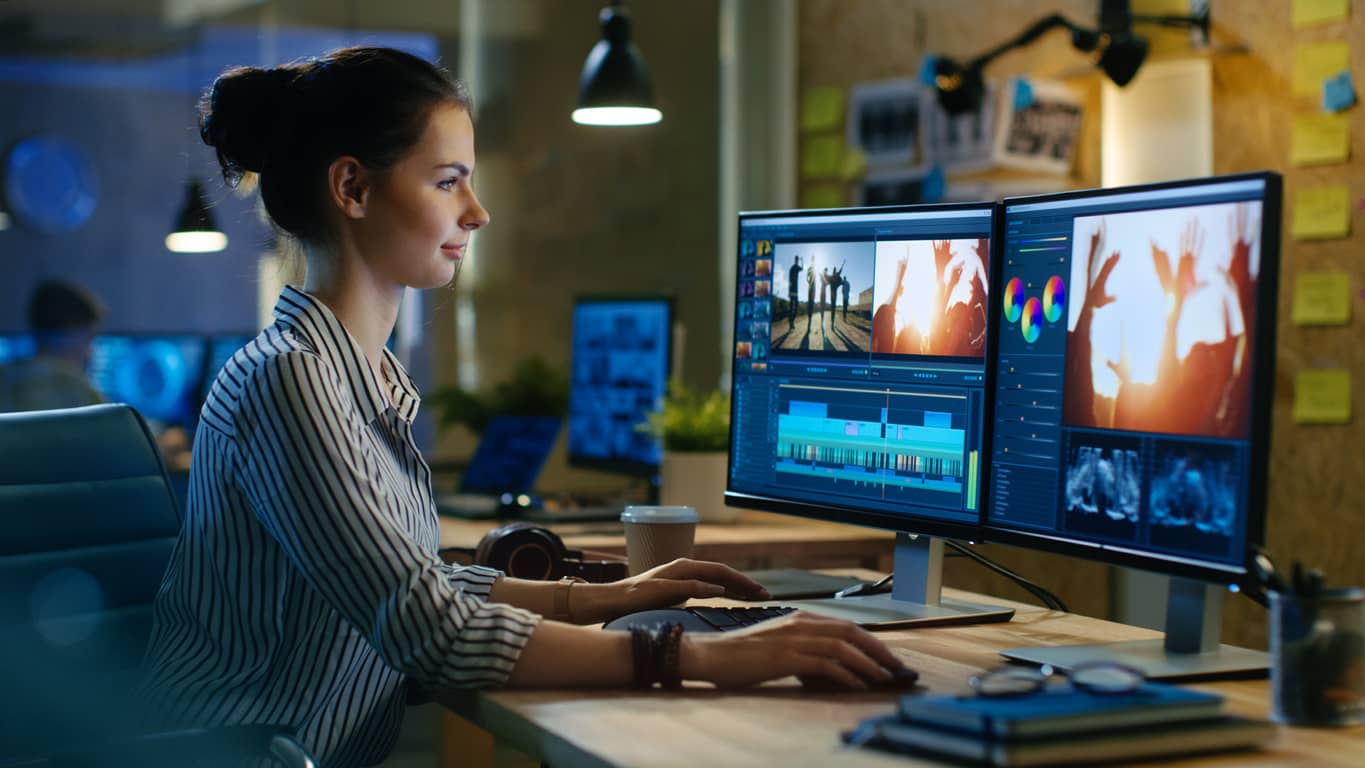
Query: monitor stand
{"type": "Point", "coordinates": [915, 599]}
{"type": "Point", "coordinates": [1190, 650]}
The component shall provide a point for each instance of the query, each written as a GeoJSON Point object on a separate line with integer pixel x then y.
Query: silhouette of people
{"type": "Point", "coordinates": [793, 276]}
{"type": "Point", "coordinates": [62, 317]}
{"type": "Point", "coordinates": [844, 280]}
{"type": "Point", "coordinates": [810, 293]}
{"type": "Point", "coordinates": [884, 319]}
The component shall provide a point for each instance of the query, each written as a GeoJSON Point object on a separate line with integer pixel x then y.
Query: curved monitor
{"type": "Point", "coordinates": [1135, 355]}
{"type": "Point", "coordinates": [859, 384]}
{"type": "Point", "coordinates": [158, 375]}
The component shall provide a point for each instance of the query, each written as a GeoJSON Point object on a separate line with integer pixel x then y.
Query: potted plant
{"type": "Point", "coordinates": [695, 431]}
{"type": "Point", "coordinates": [534, 390]}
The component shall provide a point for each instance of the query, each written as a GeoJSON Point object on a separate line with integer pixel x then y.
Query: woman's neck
{"type": "Point", "coordinates": [366, 305]}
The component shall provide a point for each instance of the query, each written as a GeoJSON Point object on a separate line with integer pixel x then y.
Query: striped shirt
{"type": "Point", "coordinates": [305, 589]}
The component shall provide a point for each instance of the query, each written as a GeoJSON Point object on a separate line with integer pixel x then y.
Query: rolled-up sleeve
{"type": "Point", "coordinates": [317, 486]}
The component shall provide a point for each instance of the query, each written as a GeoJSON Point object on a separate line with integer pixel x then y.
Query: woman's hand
{"type": "Point", "coordinates": [818, 650]}
{"type": "Point", "coordinates": [660, 587]}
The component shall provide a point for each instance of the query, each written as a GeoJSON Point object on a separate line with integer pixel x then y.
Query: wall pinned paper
{"type": "Point", "coordinates": [821, 156]}
{"type": "Point", "coordinates": [1321, 213]}
{"type": "Point", "coordinates": [1322, 397]}
{"type": "Point", "coordinates": [1316, 62]}
{"type": "Point", "coordinates": [1322, 298]}
{"type": "Point", "coordinates": [1310, 13]}
{"type": "Point", "coordinates": [822, 109]}
{"type": "Point", "coordinates": [1320, 139]}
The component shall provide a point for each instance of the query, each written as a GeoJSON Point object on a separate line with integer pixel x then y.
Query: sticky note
{"type": "Point", "coordinates": [1308, 13]}
{"type": "Point", "coordinates": [1338, 92]}
{"type": "Point", "coordinates": [1322, 298]}
{"type": "Point", "coordinates": [822, 109]}
{"type": "Point", "coordinates": [822, 196]}
{"type": "Point", "coordinates": [928, 70]}
{"type": "Point", "coordinates": [1322, 397]}
{"type": "Point", "coordinates": [854, 165]}
{"type": "Point", "coordinates": [1023, 94]}
{"type": "Point", "coordinates": [1321, 212]}
{"type": "Point", "coordinates": [1320, 138]}
{"type": "Point", "coordinates": [932, 188]}
{"type": "Point", "coordinates": [821, 155]}
{"type": "Point", "coordinates": [1315, 62]}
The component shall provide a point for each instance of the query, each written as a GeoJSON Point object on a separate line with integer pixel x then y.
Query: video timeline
{"type": "Point", "coordinates": [897, 446]}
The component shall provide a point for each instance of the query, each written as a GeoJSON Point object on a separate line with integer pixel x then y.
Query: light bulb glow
{"type": "Point", "coordinates": [196, 242]}
{"type": "Point", "coordinates": [617, 115]}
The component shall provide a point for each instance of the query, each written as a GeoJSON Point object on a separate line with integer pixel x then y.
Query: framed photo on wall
{"type": "Point", "coordinates": [1039, 134]}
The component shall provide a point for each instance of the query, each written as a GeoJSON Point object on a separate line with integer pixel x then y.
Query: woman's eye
{"type": "Point", "coordinates": [447, 184]}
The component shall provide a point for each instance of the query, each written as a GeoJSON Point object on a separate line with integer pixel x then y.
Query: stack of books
{"type": "Point", "coordinates": [1060, 725]}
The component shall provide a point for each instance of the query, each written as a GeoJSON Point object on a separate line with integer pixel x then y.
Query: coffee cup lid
{"type": "Point", "coordinates": [651, 514]}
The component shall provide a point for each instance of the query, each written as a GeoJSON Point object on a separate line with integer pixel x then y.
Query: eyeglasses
{"type": "Point", "coordinates": [1099, 677]}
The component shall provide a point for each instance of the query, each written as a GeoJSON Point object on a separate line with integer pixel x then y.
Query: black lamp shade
{"type": "Point", "coordinates": [960, 89]}
{"type": "Point", "coordinates": [195, 230]}
{"type": "Point", "coordinates": [1122, 57]}
{"type": "Point", "coordinates": [615, 88]}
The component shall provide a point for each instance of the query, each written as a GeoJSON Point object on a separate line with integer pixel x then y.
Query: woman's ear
{"type": "Point", "coordinates": [348, 186]}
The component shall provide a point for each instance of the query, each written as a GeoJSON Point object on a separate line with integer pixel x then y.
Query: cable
{"type": "Point", "coordinates": [1049, 599]}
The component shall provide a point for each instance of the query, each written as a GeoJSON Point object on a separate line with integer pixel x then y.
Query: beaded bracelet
{"type": "Point", "coordinates": [656, 651]}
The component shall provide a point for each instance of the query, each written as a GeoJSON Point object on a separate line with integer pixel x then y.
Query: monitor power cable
{"type": "Point", "coordinates": [1050, 600]}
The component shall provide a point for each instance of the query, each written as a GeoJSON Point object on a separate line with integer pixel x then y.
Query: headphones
{"type": "Point", "coordinates": [526, 551]}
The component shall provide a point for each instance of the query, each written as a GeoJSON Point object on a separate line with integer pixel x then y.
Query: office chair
{"type": "Point", "coordinates": [87, 522]}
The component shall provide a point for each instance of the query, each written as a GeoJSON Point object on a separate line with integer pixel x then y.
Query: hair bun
{"type": "Point", "coordinates": [241, 116]}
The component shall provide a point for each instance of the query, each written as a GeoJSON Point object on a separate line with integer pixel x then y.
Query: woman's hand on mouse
{"type": "Point", "coordinates": [660, 587]}
{"type": "Point", "coordinates": [819, 651]}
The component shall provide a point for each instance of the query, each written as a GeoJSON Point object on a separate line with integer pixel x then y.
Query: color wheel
{"type": "Point", "coordinates": [1014, 299]}
{"type": "Point", "coordinates": [1054, 298]}
{"type": "Point", "coordinates": [1032, 323]}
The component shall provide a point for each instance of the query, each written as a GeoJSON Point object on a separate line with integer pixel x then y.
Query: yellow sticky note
{"type": "Point", "coordinates": [1315, 62]}
{"type": "Point", "coordinates": [1320, 138]}
{"type": "Point", "coordinates": [1322, 298]}
{"type": "Point", "coordinates": [854, 165]}
{"type": "Point", "coordinates": [821, 155]}
{"type": "Point", "coordinates": [1321, 212]}
{"type": "Point", "coordinates": [1307, 13]}
{"type": "Point", "coordinates": [1322, 397]}
{"type": "Point", "coordinates": [822, 109]}
{"type": "Point", "coordinates": [822, 196]}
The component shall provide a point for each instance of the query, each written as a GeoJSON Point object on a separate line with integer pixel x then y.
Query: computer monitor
{"type": "Point", "coordinates": [1134, 360]}
{"type": "Point", "coordinates": [620, 363]}
{"type": "Point", "coordinates": [158, 375]}
{"type": "Point", "coordinates": [221, 348]}
{"type": "Point", "coordinates": [859, 385]}
{"type": "Point", "coordinates": [14, 346]}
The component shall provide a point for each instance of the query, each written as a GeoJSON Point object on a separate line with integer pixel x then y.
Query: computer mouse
{"type": "Point", "coordinates": [689, 621]}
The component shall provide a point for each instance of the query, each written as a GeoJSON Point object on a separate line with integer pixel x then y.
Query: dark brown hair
{"type": "Point", "coordinates": [56, 306]}
{"type": "Point", "coordinates": [289, 123]}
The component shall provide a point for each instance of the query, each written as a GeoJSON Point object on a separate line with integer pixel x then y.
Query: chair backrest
{"type": "Point", "coordinates": [87, 522]}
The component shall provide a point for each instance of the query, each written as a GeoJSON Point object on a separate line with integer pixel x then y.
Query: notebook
{"type": "Point", "coordinates": [1059, 710]}
{"type": "Point", "coordinates": [1219, 733]}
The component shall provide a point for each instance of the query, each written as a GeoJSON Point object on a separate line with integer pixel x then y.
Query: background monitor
{"type": "Point", "coordinates": [158, 375]}
{"type": "Point", "coordinates": [14, 346]}
{"type": "Point", "coordinates": [1134, 357]}
{"type": "Point", "coordinates": [860, 380]}
{"type": "Point", "coordinates": [620, 363]}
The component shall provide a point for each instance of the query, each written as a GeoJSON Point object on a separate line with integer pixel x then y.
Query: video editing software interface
{"type": "Point", "coordinates": [620, 366]}
{"type": "Point", "coordinates": [859, 368]}
{"type": "Point", "coordinates": [1125, 368]}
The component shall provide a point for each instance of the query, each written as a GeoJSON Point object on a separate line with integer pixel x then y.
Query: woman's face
{"type": "Point", "coordinates": [422, 211]}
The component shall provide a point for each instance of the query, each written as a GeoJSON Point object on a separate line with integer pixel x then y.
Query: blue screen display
{"type": "Point", "coordinates": [14, 346]}
{"type": "Point", "coordinates": [619, 375]}
{"type": "Point", "coordinates": [158, 375]}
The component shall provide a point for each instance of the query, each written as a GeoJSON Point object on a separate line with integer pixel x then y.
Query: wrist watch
{"type": "Point", "coordinates": [562, 588]}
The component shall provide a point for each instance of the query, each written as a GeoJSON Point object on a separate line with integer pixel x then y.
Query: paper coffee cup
{"type": "Point", "coordinates": [657, 535]}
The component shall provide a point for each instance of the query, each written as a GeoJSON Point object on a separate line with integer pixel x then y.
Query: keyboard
{"type": "Point", "coordinates": [701, 618]}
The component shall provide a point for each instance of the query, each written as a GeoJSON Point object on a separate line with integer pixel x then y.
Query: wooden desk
{"type": "Point", "coordinates": [778, 724]}
{"type": "Point", "coordinates": [756, 540]}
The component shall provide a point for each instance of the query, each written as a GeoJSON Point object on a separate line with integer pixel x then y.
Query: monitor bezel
{"type": "Point", "coordinates": [1262, 394]}
{"type": "Point", "coordinates": [617, 465]}
{"type": "Point", "coordinates": [910, 524]}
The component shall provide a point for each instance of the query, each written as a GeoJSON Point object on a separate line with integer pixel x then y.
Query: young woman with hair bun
{"type": "Point", "coordinates": [305, 589]}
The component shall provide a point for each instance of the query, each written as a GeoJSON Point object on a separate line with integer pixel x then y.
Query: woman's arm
{"type": "Point", "coordinates": [659, 587]}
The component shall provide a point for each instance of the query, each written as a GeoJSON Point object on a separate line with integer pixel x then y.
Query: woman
{"type": "Point", "coordinates": [305, 589]}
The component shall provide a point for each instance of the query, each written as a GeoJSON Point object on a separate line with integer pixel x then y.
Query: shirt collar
{"type": "Point", "coordinates": [309, 318]}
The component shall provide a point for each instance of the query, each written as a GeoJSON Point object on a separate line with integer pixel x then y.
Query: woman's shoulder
{"type": "Point", "coordinates": [274, 366]}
